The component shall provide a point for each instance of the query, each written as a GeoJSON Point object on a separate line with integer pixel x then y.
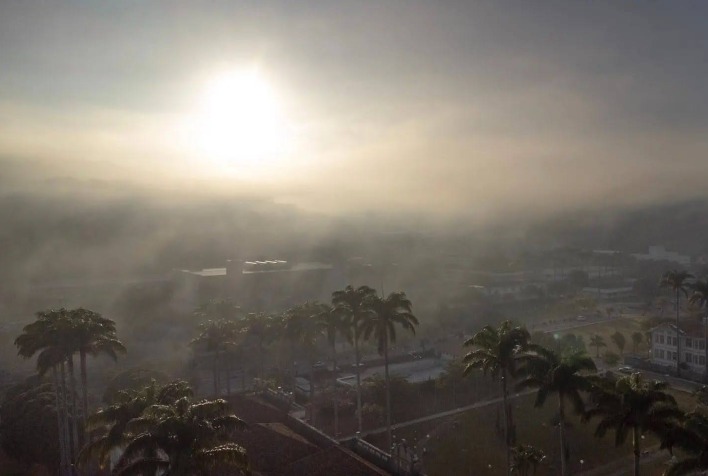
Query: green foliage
{"type": "Point", "coordinates": [611, 358]}
{"type": "Point", "coordinates": [108, 426]}
{"type": "Point", "coordinates": [637, 338]}
{"type": "Point", "coordinates": [161, 429]}
{"type": "Point", "coordinates": [565, 344]}
{"type": "Point", "coordinates": [634, 406]}
{"type": "Point", "coordinates": [619, 340]}
{"type": "Point", "coordinates": [134, 378]}
{"type": "Point", "coordinates": [28, 423]}
{"type": "Point", "coordinates": [597, 341]}
{"type": "Point", "coordinates": [525, 459]}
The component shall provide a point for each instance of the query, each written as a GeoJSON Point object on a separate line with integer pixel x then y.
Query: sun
{"type": "Point", "coordinates": [240, 122]}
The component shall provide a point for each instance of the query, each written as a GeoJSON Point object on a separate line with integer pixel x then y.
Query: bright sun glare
{"type": "Point", "coordinates": [241, 124]}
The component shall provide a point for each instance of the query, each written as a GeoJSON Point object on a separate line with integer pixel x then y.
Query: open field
{"type": "Point", "coordinates": [472, 444]}
{"type": "Point", "coordinates": [626, 325]}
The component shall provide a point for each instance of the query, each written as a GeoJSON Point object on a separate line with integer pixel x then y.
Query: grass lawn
{"type": "Point", "coordinates": [470, 443]}
{"type": "Point", "coordinates": [626, 325]}
{"type": "Point", "coordinates": [473, 445]}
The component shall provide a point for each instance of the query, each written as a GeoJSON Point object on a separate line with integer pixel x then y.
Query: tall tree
{"type": "Point", "coordinates": [619, 340]}
{"type": "Point", "coordinates": [692, 437]}
{"type": "Point", "coordinates": [597, 341]}
{"type": "Point", "coordinates": [108, 426]}
{"type": "Point", "coordinates": [333, 324]}
{"type": "Point", "coordinates": [677, 281]}
{"type": "Point", "coordinates": [550, 373]}
{"type": "Point", "coordinates": [632, 404]}
{"type": "Point", "coordinates": [184, 438]}
{"type": "Point", "coordinates": [259, 326]}
{"type": "Point", "coordinates": [496, 352]}
{"type": "Point", "coordinates": [28, 424]}
{"type": "Point", "coordinates": [699, 297]}
{"type": "Point", "coordinates": [50, 338]}
{"type": "Point", "coordinates": [353, 305]}
{"type": "Point", "coordinates": [217, 337]}
{"type": "Point", "coordinates": [302, 327]}
{"type": "Point", "coordinates": [93, 335]}
{"type": "Point", "coordinates": [387, 313]}
{"type": "Point", "coordinates": [637, 338]}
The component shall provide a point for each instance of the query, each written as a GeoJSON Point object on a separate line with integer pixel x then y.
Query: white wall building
{"type": "Point", "coordinates": [664, 347]}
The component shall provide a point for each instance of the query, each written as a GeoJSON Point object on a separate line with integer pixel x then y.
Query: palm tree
{"type": "Point", "coordinates": [183, 438]}
{"type": "Point", "coordinates": [637, 338]}
{"type": "Point", "coordinates": [93, 335]}
{"type": "Point", "coordinates": [333, 324]}
{"type": "Point", "coordinates": [692, 437]}
{"type": "Point", "coordinates": [352, 304]}
{"type": "Point", "coordinates": [633, 404]}
{"type": "Point", "coordinates": [49, 337]}
{"type": "Point", "coordinates": [217, 337]}
{"type": "Point", "coordinates": [597, 341]}
{"type": "Point", "coordinates": [109, 425]}
{"type": "Point", "coordinates": [699, 296]}
{"type": "Point", "coordinates": [525, 459]}
{"type": "Point", "coordinates": [497, 353]}
{"type": "Point", "coordinates": [303, 329]}
{"type": "Point", "coordinates": [677, 281]}
{"type": "Point", "coordinates": [550, 373]}
{"type": "Point", "coordinates": [619, 340]}
{"type": "Point", "coordinates": [259, 326]}
{"type": "Point", "coordinates": [381, 323]}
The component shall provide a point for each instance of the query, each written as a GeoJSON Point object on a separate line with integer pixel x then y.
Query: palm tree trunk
{"type": "Point", "coordinates": [561, 425]}
{"type": "Point", "coordinates": [705, 338]}
{"type": "Point", "coordinates": [65, 417]}
{"type": "Point", "coordinates": [260, 361]}
{"type": "Point", "coordinates": [635, 445]}
{"type": "Point", "coordinates": [74, 404]}
{"type": "Point", "coordinates": [84, 385]}
{"type": "Point", "coordinates": [678, 337]}
{"type": "Point", "coordinates": [312, 392]}
{"type": "Point", "coordinates": [63, 453]}
{"type": "Point", "coordinates": [334, 389]}
{"type": "Point", "coordinates": [228, 374]}
{"type": "Point", "coordinates": [216, 373]}
{"type": "Point", "coordinates": [357, 358]}
{"type": "Point", "coordinates": [506, 423]}
{"type": "Point", "coordinates": [388, 392]}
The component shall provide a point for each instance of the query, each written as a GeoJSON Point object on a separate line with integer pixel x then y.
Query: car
{"type": "Point", "coordinates": [625, 370]}
{"type": "Point", "coordinates": [319, 365]}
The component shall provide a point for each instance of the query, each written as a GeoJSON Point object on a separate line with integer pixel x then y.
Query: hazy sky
{"type": "Point", "coordinates": [447, 106]}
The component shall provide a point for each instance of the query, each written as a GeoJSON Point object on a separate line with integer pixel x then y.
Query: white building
{"type": "Point", "coordinates": [693, 346]}
{"type": "Point", "coordinates": [659, 253]}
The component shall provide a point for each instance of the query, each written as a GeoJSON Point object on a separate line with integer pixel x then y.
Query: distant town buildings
{"type": "Point", "coordinates": [263, 285]}
{"type": "Point", "coordinates": [659, 253]}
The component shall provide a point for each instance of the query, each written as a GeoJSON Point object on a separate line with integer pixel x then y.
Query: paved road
{"type": "Point", "coordinates": [435, 416]}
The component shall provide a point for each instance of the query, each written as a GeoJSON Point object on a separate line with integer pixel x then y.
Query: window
{"type": "Point", "coordinates": [702, 359]}
{"type": "Point", "coordinates": [688, 358]}
{"type": "Point", "coordinates": [673, 355]}
{"type": "Point", "coordinates": [661, 339]}
{"type": "Point", "coordinates": [656, 353]}
{"type": "Point", "coordinates": [689, 343]}
{"type": "Point", "coordinates": [702, 344]}
{"type": "Point", "coordinates": [656, 338]}
{"type": "Point", "coordinates": [674, 339]}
